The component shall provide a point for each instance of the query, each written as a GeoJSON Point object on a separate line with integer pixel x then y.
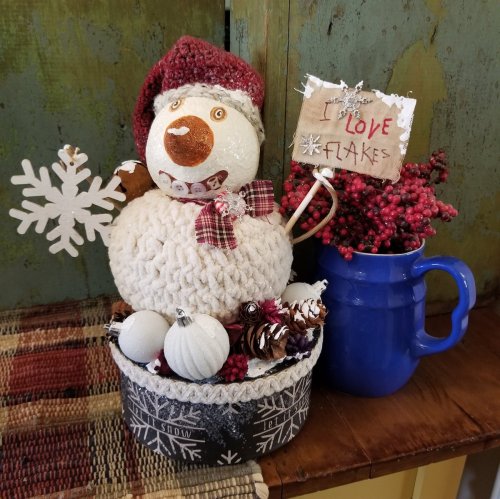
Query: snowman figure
{"type": "Point", "coordinates": [209, 237]}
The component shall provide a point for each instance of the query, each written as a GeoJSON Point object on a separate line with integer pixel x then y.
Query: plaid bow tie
{"type": "Point", "coordinates": [214, 224]}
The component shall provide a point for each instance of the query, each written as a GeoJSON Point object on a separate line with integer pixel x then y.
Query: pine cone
{"type": "Point", "coordinates": [250, 312]}
{"type": "Point", "coordinates": [295, 320]}
{"type": "Point", "coordinates": [265, 341]}
{"type": "Point", "coordinates": [306, 314]}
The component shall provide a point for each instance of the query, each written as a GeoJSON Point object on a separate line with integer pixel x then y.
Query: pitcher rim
{"type": "Point", "coordinates": [380, 255]}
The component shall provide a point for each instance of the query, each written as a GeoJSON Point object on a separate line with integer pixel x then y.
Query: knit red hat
{"type": "Point", "coordinates": [194, 67]}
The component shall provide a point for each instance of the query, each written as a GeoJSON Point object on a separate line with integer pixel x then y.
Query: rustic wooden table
{"type": "Point", "coordinates": [451, 407]}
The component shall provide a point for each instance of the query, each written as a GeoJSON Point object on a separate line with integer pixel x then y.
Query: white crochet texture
{"type": "Point", "coordinates": [158, 265]}
{"type": "Point", "coordinates": [223, 393]}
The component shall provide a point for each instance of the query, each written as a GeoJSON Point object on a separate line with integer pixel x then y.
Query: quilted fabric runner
{"type": "Point", "coordinates": [61, 430]}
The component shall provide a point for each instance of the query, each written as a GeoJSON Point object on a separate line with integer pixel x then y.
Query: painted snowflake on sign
{"type": "Point", "coordinates": [310, 144]}
{"type": "Point", "coordinates": [350, 100]}
{"type": "Point", "coordinates": [68, 205]}
{"type": "Point", "coordinates": [282, 417]}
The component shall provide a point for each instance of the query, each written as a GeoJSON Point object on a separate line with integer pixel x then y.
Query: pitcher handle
{"type": "Point", "coordinates": [424, 344]}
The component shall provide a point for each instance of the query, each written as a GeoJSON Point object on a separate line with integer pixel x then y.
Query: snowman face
{"type": "Point", "coordinates": [198, 146]}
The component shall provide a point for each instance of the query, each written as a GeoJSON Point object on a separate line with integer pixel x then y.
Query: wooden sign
{"type": "Point", "coordinates": [348, 128]}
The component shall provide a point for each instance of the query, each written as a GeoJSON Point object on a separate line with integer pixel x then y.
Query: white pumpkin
{"type": "Point", "coordinates": [196, 347]}
{"type": "Point", "coordinates": [300, 291]}
{"type": "Point", "coordinates": [142, 335]}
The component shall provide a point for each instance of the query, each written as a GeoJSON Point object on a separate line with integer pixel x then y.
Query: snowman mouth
{"type": "Point", "coordinates": [212, 183]}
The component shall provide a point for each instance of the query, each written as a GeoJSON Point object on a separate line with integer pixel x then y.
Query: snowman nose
{"type": "Point", "coordinates": [188, 141]}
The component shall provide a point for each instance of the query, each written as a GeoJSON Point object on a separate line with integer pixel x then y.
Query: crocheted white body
{"type": "Point", "coordinates": [158, 264]}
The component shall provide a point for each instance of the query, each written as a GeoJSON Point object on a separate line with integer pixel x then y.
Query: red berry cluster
{"type": "Point", "coordinates": [272, 311]}
{"type": "Point", "coordinates": [235, 368]}
{"type": "Point", "coordinates": [373, 215]}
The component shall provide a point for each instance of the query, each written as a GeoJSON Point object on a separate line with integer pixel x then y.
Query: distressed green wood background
{"type": "Point", "coordinates": [70, 73]}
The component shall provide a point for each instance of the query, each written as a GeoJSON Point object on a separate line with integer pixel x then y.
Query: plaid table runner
{"type": "Point", "coordinates": [61, 431]}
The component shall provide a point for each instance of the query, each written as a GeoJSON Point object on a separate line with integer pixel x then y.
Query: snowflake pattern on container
{"type": "Point", "coordinates": [282, 417]}
{"type": "Point", "coordinates": [214, 434]}
{"type": "Point", "coordinates": [229, 458]}
{"type": "Point", "coordinates": [350, 100]}
{"type": "Point", "coordinates": [67, 205]}
{"type": "Point", "coordinates": [310, 144]}
{"type": "Point", "coordinates": [231, 409]}
{"type": "Point", "coordinates": [162, 426]}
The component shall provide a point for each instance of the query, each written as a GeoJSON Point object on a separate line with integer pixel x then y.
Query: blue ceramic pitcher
{"type": "Point", "coordinates": [374, 333]}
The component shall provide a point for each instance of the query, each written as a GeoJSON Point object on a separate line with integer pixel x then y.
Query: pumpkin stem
{"type": "Point", "coordinates": [182, 318]}
{"type": "Point", "coordinates": [320, 286]}
{"type": "Point", "coordinates": [113, 329]}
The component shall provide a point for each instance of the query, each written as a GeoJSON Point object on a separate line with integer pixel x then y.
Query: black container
{"type": "Point", "coordinates": [215, 423]}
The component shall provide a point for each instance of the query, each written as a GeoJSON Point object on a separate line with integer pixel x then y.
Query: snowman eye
{"type": "Point", "coordinates": [218, 113]}
{"type": "Point", "coordinates": [176, 104]}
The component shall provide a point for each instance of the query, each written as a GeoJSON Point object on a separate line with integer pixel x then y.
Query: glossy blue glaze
{"type": "Point", "coordinates": [374, 332]}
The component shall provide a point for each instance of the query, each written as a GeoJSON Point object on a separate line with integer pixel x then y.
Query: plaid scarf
{"type": "Point", "coordinates": [214, 224]}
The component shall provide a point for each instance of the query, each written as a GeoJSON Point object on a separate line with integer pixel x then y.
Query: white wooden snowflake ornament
{"type": "Point", "coordinates": [66, 205]}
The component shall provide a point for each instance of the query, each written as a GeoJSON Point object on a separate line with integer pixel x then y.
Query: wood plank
{"type": "Point", "coordinates": [434, 481]}
{"type": "Point", "coordinates": [475, 388]}
{"type": "Point", "coordinates": [307, 464]}
{"type": "Point", "coordinates": [71, 73]}
{"type": "Point", "coordinates": [422, 422]}
{"type": "Point", "coordinates": [451, 407]}
{"type": "Point", "coordinates": [398, 432]}
{"type": "Point", "coordinates": [259, 34]}
{"type": "Point", "coordinates": [442, 56]}
{"type": "Point", "coordinates": [271, 477]}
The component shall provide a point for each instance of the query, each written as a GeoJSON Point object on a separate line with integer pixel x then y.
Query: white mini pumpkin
{"type": "Point", "coordinates": [299, 291]}
{"type": "Point", "coordinates": [196, 347]}
{"type": "Point", "coordinates": [142, 335]}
